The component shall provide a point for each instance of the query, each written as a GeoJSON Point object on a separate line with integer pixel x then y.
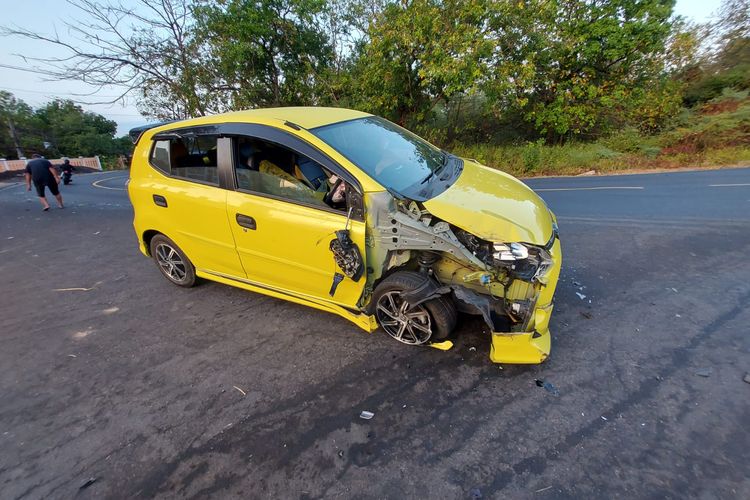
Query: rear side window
{"type": "Point", "coordinates": [160, 156]}
{"type": "Point", "coordinates": [193, 158]}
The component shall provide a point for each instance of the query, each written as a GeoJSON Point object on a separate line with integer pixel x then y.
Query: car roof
{"type": "Point", "coordinates": [305, 116]}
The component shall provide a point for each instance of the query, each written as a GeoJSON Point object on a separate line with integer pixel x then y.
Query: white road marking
{"type": "Point", "coordinates": [597, 188]}
{"type": "Point", "coordinates": [681, 222]}
{"type": "Point", "coordinates": [96, 183]}
{"type": "Point", "coordinates": [728, 185]}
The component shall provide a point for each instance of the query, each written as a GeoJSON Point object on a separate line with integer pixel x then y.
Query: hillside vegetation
{"type": "Point", "coordinates": [529, 86]}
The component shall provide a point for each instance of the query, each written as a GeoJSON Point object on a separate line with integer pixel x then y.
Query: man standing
{"type": "Point", "coordinates": [44, 175]}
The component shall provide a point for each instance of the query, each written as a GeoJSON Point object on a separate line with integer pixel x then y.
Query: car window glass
{"type": "Point", "coordinates": [396, 158]}
{"type": "Point", "coordinates": [160, 156]}
{"type": "Point", "coordinates": [193, 158]}
{"type": "Point", "coordinates": [268, 168]}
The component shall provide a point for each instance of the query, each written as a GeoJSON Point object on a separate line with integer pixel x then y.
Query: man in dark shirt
{"type": "Point", "coordinates": [44, 175]}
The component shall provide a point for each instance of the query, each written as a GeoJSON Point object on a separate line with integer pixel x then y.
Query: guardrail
{"type": "Point", "coordinates": [19, 165]}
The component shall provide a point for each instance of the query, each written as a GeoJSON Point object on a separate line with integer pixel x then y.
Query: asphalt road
{"type": "Point", "coordinates": [110, 373]}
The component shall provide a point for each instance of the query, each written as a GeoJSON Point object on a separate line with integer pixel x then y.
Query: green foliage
{"type": "Point", "coordinates": [575, 61]}
{"type": "Point", "coordinates": [420, 54]}
{"type": "Point", "coordinates": [60, 128]}
{"type": "Point", "coordinates": [604, 80]}
{"type": "Point", "coordinates": [264, 53]}
{"type": "Point", "coordinates": [719, 135]}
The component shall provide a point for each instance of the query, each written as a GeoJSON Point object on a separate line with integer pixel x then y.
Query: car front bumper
{"type": "Point", "coordinates": [533, 345]}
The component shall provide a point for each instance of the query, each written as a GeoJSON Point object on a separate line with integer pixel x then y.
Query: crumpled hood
{"type": "Point", "coordinates": [494, 206]}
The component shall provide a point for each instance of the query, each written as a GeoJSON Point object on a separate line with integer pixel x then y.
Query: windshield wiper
{"type": "Point", "coordinates": [446, 159]}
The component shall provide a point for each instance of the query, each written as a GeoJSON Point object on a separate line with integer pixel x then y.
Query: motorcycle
{"type": "Point", "coordinates": [67, 177]}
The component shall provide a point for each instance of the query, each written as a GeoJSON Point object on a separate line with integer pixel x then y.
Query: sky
{"type": "Point", "coordinates": [47, 15]}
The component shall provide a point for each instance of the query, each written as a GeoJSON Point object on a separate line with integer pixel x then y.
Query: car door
{"type": "Point", "coordinates": [283, 231]}
{"type": "Point", "coordinates": [188, 199]}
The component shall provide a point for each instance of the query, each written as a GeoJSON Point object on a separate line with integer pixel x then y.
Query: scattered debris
{"type": "Point", "coordinates": [746, 378]}
{"type": "Point", "coordinates": [673, 289]}
{"type": "Point", "coordinates": [586, 314]}
{"type": "Point", "coordinates": [677, 316]}
{"type": "Point", "coordinates": [366, 415]}
{"type": "Point", "coordinates": [588, 172]}
{"type": "Point", "coordinates": [575, 283]}
{"type": "Point", "coordinates": [241, 391]}
{"type": "Point", "coordinates": [72, 356]}
{"type": "Point", "coordinates": [472, 348]}
{"type": "Point", "coordinates": [547, 386]}
{"type": "Point", "coordinates": [604, 418]}
{"type": "Point", "coordinates": [704, 372]}
{"type": "Point", "coordinates": [11, 237]}
{"type": "Point", "coordinates": [75, 289]}
{"type": "Point", "coordinates": [637, 329]}
{"type": "Point", "coordinates": [88, 483]}
{"type": "Point", "coordinates": [543, 489]}
{"type": "Point", "coordinates": [341, 453]}
{"type": "Point", "coordinates": [83, 333]}
{"type": "Point", "coordinates": [475, 493]}
{"type": "Point", "coordinates": [97, 232]}
{"type": "Point", "coordinates": [580, 295]}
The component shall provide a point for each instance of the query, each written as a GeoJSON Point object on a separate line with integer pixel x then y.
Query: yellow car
{"type": "Point", "coordinates": [346, 212]}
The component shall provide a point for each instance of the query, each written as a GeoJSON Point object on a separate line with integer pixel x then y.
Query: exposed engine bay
{"type": "Point", "coordinates": [501, 281]}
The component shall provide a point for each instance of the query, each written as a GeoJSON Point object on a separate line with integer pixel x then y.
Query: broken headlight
{"type": "Point", "coordinates": [510, 251]}
{"type": "Point", "coordinates": [525, 262]}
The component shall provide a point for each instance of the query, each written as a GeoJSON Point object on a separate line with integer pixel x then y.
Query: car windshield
{"type": "Point", "coordinates": [399, 160]}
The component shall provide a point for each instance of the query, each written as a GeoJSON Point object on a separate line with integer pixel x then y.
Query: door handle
{"type": "Point", "coordinates": [160, 200]}
{"type": "Point", "coordinates": [246, 221]}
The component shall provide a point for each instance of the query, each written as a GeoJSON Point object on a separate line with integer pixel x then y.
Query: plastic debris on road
{"type": "Point", "coordinates": [547, 386]}
{"type": "Point", "coordinates": [88, 483]}
{"type": "Point", "coordinates": [580, 295]}
{"type": "Point", "coordinates": [366, 415]}
{"type": "Point", "coordinates": [704, 372]}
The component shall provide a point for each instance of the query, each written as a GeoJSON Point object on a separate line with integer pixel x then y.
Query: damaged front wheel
{"type": "Point", "coordinates": [417, 324]}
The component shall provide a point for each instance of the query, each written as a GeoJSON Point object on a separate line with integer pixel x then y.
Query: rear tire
{"type": "Point", "coordinates": [431, 320]}
{"type": "Point", "coordinates": [172, 261]}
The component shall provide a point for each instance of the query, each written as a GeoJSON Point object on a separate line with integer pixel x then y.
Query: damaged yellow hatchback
{"type": "Point", "coordinates": [346, 212]}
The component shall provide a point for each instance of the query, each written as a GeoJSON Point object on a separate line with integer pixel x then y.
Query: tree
{"type": "Point", "coordinates": [264, 53]}
{"type": "Point", "coordinates": [562, 63]}
{"type": "Point", "coordinates": [71, 131]}
{"type": "Point", "coordinates": [16, 119]}
{"type": "Point", "coordinates": [147, 49]}
{"type": "Point", "coordinates": [420, 53]}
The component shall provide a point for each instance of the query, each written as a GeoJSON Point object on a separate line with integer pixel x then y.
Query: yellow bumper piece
{"type": "Point", "coordinates": [520, 348]}
{"type": "Point", "coordinates": [443, 346]}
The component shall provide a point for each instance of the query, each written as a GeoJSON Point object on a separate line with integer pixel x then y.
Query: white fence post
{"type": "Point", "coordinates": [98, 162]}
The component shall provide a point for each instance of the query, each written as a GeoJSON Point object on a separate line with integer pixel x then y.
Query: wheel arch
{"type": "Point", "coordinates": [148, 235]}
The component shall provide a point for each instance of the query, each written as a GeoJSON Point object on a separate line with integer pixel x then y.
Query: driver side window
{"type": "Point", "coordinates": [268, 168]}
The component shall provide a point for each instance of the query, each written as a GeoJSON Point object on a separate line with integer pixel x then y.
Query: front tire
{"type": "Point", "coordinates": [431, 320]}
{"type": "Point", "coordinates": [172, 261]}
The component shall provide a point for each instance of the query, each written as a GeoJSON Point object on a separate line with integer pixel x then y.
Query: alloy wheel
{"type": "Point", "coordinates": [408, 324]}
{"type": "Point", "coordinates": [171, 263]}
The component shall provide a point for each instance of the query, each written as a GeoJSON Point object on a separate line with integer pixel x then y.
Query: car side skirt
{"type": "Point", "coordinates": [364, 321]}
